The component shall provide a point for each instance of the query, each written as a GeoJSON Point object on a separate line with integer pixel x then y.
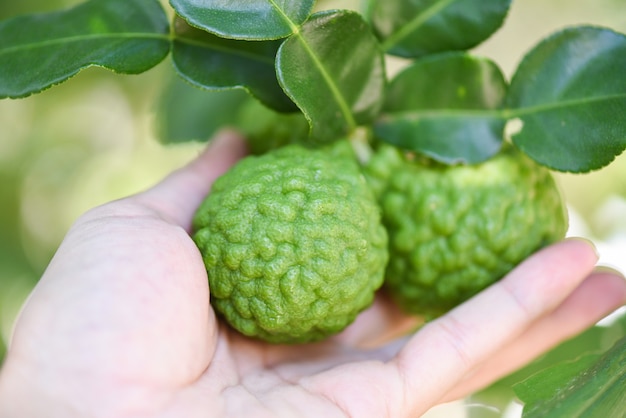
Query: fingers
{"type": "Point", "coordinates": [381, 323]}
{"type": "Point", "coordinates": [600, 294]}
{"type": "Point", "coordinates": [126, 294]}
{"type": "Point", "coordinates": [444, 351]}
{"type": "Point", "coordinates": [448, 348]}
{"type": "Point", "coordinates": [178, 196]}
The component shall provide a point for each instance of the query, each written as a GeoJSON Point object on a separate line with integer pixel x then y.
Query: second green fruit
{"type": "Point", "coordinates": [454, 230]}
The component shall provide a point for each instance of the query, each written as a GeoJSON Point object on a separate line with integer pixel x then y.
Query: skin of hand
{"type": "Point", "coordinates": [120, 326]}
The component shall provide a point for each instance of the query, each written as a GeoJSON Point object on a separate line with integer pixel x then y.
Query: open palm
{"type": "Point", "coordinates": [120, 326]}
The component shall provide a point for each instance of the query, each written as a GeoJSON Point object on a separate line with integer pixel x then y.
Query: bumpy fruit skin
{"type": "Point", "coordinates": [454, 230]}
{"type": "Point", "coordinates": [293, 244]}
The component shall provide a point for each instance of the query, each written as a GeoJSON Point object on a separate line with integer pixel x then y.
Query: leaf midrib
{"type": "Point", "coordinates": [49, 43]}
{"type": "Point", "coordinates": [613, 378]}
{"type": "Point", "coordinates": [292, 26]}
{"type": "Point", "coordinates": [334, 89]}
{"type": "Point", "coordinates": [504, 113]}
{"type": "Point", "coordinates": [82, 38]}
{"type": "Point", "coordinates": [396, 37]}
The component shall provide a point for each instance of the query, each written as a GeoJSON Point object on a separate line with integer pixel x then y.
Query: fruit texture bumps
{"type": "Point", "coordinates": [454, 230]}
{"type": "Point", "coordinates": [293, 244]}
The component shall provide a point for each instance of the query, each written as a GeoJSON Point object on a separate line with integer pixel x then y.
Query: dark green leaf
{"type": "Point", "coordinates": [420, 27]}
{"type": "Point", "coordinates": [443, 107]}
{"type": "Point", "coordinates": [597, 339]}
{"type": "Point", "coordinates": [40, 50]}
{"type": "Point", "coordinates": [334, 71]}
{"type": "Point", "coordinates": [592, 387]}
{"type": "Point", "coordinates": [211, 62]}
{"type": "Point", "coordinates": [570, 94]}
{"type": "Point", "coordinates": [534, 390]}
{"type": "Point", "coordinates": [187, 113]}
{"type": "Point", "coordinates": [250, 19]}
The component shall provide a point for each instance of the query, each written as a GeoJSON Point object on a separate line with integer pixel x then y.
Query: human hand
{"type": "Point", "coordinates": [120, 326]}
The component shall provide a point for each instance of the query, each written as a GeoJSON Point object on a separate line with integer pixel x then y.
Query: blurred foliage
{"type": "Point", "coordinates": [64, 151]}
{"type": "Point", "coordinates": [93, 139]}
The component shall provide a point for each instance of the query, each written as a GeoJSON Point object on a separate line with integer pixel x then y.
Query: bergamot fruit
{"type": "Point", "coordinates": [454, 230]}
{"type": "Point", "coordinates": [293, 244]}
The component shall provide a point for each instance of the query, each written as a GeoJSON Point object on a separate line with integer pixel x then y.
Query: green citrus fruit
{"type": "Point", "coordinates": [293, 244]}
{"type": "Point", "coordinates": [454, 230]}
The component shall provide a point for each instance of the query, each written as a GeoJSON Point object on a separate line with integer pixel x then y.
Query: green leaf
{"type": "Point", "coordinates": [211, 62]}
{"type": "Point", "coordinates": [592, 387]}
{"type": "Point", "coordinates": [420, 27]}
{"type": "Point", "coordinates": [445, 106]}
{"type": "Point", "coordinates": [570, 94]}
{"type": "Point", "coordinates": [250, 19]}
{"type": "Point", "coordinates": [187, 113]}
{"type": "Point", "coordinates": [40, 50]}
{"type": "Point", "coordinates": [334, 70]}
{"type": "Point", "coordinates": [534, 390]}
{"type": "Point", "coordinates": [594, 340]}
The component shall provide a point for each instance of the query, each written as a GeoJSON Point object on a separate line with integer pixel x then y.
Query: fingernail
{"type": "Point", "coordinates": [609, 270]}
{"type": "Point", "coordinates": [587, 242]}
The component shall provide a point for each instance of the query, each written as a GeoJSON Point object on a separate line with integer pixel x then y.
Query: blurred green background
{"type": "Point", "coordinates": [93, 139]}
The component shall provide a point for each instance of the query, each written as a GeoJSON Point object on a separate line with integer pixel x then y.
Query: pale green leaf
{"type": "Point", "coordinates": [187, 113]}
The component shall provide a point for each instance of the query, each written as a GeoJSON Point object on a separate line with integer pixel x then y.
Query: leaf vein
{"type": "Point", "coordinates": [335, 91]}
{"type": "Point", "coordinates": [80, 38]}
{"type": "Point", "coordinates": [523, 111]}
{"type": "Point", "coordinates": [505, 113]}
{"type": "Point", "coordinates": [414, 24]}
{"type": "Point", "coordinates": [294, 28]}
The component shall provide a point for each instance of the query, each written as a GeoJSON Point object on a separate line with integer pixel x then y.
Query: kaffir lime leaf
{"type": "Point", "coordinates": [293, 244]}
{"type": "Point", "coordinates": [454, 230]}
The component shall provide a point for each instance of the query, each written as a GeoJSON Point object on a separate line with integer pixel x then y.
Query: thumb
{"type": "Point", "coordinates": [178, 195]}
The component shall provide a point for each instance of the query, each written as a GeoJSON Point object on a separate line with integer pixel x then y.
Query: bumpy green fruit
{"type": "Point", "coordinates": [293, 244]}
{"type": "Point", "coordinates": [454, 230]}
